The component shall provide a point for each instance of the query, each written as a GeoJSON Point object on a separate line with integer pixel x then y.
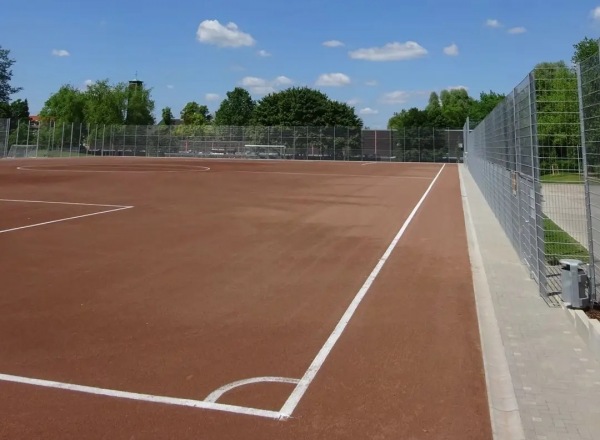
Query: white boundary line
{"type": "Point", "coordinates": [327, 174]}
{"type": "Point", "coordinates": [64, 203]}
{"type": "Point", "coordinates": [301, 384]}
{"type": "Point", "coordinates": [291, 403]}
{"type": "Point", "coordinates": [106, 211]}
{"type": "Point", "coordinates": [183, 170]}
{"type": "Point", "coordinates": [141, 397]}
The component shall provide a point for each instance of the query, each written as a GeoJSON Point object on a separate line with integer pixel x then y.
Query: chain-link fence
{"type": "Point", "coordinates": [588, 73]}
{"type": "Point", "coordinates": [527, 157]}
{"type": "Point", "coordinates": [302, 143]}
{"type": "Point", "coordinates": [4, 134]}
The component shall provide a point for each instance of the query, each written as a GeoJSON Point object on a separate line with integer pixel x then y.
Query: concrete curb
{"type": "Point", "coordinates": [502, 401]}
{"type": "Point", "coordinates": [588, 329]}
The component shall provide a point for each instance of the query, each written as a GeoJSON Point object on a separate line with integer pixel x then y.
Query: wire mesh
{"type": "Point", "coordinates": [589, 108]}
{"type": "Point", "coordinates": [419, 144]}
{"type": "Point", "coordinates": [527, 157]}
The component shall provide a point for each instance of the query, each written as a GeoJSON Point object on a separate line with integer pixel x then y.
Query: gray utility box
{"type": "Point", "coordinates": [574, 280]}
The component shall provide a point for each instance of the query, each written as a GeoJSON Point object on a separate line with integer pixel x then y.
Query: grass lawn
{"type": "Point", "coordinates": [562, 178]}
{"type": "Point", "coordinates": [559, 244]}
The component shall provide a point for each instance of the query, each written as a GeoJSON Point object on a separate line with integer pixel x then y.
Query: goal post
{"type": "Point", "coordinates": [18, 151]}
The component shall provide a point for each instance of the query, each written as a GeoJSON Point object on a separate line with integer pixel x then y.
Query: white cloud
{"type": "Point", "coordinates": [86, 84]}
{"type": "Point", "coordinates": [263, 53]}
{"type": "Point", "coordinates": [261, 86]}
{"type": "Point", "coordinates": [493, 23]}
{"type": "Point", "coordinates": [60, 53]}
{"type": "Point", "coordinates": [333, 80]}
{"type": "Point", "coordinates": [451, 50]}
{"type": "Point", "coordinates": [390, 52]}
{"type": "Point", "coordinates": [458, 88]}
{"type": "Point", "coordinates": [595, 13]}
{"type": "Point", "coordinates": [396, 97]}
{"type": "Point", "coordinates": [368, 111]}
{"type": "Point", "coordinates": [283, 81]}
{"type": "Point", "coordinates": [402, 96]}
{"type": "Point", "coordinates": [211, 97]}
{"type": "Point", "coordinates": [213, 32]}
{"type": "Point", "coordinates": [371, 83]}
{"type": "Point", "coordinates": [517, 30]}
{"type": "Point", "coordinates": [333, 43]}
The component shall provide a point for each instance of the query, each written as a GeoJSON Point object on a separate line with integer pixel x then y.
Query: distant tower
{"type": "Point", "coordinates": [136, 84]}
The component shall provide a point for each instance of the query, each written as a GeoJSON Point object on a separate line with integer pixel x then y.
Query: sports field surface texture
{"type": "Point", "coordinates": [215, 299]}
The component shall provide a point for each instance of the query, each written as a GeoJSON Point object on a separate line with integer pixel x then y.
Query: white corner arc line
{"type": "Point", "coordinates": [290, 405]}
{"type": "Point", "coordinates": [65, 219]}
{"type": "Point", "coordinates": [215, 395]}
{"type": "Point", "coordinates": [64, 203]}
{"type": "Point", "coordinates": [142, 397]}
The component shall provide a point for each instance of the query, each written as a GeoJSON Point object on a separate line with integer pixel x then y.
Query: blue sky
{"type": "Point", "coordinates": [380, 55]}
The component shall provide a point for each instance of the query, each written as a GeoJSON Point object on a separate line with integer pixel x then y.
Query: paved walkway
{"type": "Point", "coordinates": [555, 377]}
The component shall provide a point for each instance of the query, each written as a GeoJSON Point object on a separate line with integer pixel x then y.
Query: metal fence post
{"type": "Point", "coordinates": [586, 183]}
{"type": "Point", "coordinates": [535, 168]}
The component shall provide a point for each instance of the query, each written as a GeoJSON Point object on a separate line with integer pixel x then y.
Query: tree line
{"type": "Point", "coordinates": [126, 104]}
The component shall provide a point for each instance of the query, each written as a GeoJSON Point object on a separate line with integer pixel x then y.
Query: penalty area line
{"type": "Point", "coordinates": [142, 397]}
{"type": "Point", "coordinates": [65, 219]}
{"type": "Point", "coordinates": [64, 203]}
{"type": "Point", "coordinates": [290, 405]}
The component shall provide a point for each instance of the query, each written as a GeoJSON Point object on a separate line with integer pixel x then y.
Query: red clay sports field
{"type": "Point", "coordinates": [215, 299]}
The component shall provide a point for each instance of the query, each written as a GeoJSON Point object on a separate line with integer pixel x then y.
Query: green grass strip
{"type": "Point", "coordinates": [558, 244]}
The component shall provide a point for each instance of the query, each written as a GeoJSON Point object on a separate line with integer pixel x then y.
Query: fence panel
{"type": "Point", "coordinates": [4, 134]}
{"type": "Point", "coordinates": [589, 112]}
{"type": "Point", "coordinates": [502, 159]}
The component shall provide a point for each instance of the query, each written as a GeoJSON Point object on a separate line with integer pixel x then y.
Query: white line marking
{"type": "Point", "coordinates": [65, 219]}
{"type": "Point", "coordinates": [64, 203]}
{"type": "Point", "coordinates": [142, 397]}
{"type": "Point", "coordinates": [198, 169]}
{"type": "Point", "coordinates": [215, 395]}
{"type": "Point", "coordinates": [328, 174]}
{"type": "Point", "coordinates": [291, 403]}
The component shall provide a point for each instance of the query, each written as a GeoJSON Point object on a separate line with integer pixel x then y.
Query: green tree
{"type": "Point", "coordinates": [237, 109]}
{"type": "Point", "coordinates": [167, 116]}
{"type": "Point", "coordinates": [302, 106]}
{"type": "Point", "coordinates": [4, 110]}
{"type": "Point", "coordinates": [105, 104]}
{"type": "Point", "coordinates": [341, 114]}
{"type": "Point", "coordinates": [486, 103]}
{"type": "Point", "coordinates": [584, 50]}
{"type": "Point", "coordinates": [435, 117]}
{"type": "Point", "coordinates": [139, 106]}
{"type": "Point", "coordinates": [19, 110]}
{"type": "Point", "coordinates": [455, 106]}
{"type": "Point", "coordinates": [558, 129]}
{"type": "Point", "coordinates": [6, 74]}
{"type": "Point", "coordinates": [195, 114]}
{"type": "Point", "coordinates": [412, 117]}
{"type": "Point", "coordinates": [66, 105]}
